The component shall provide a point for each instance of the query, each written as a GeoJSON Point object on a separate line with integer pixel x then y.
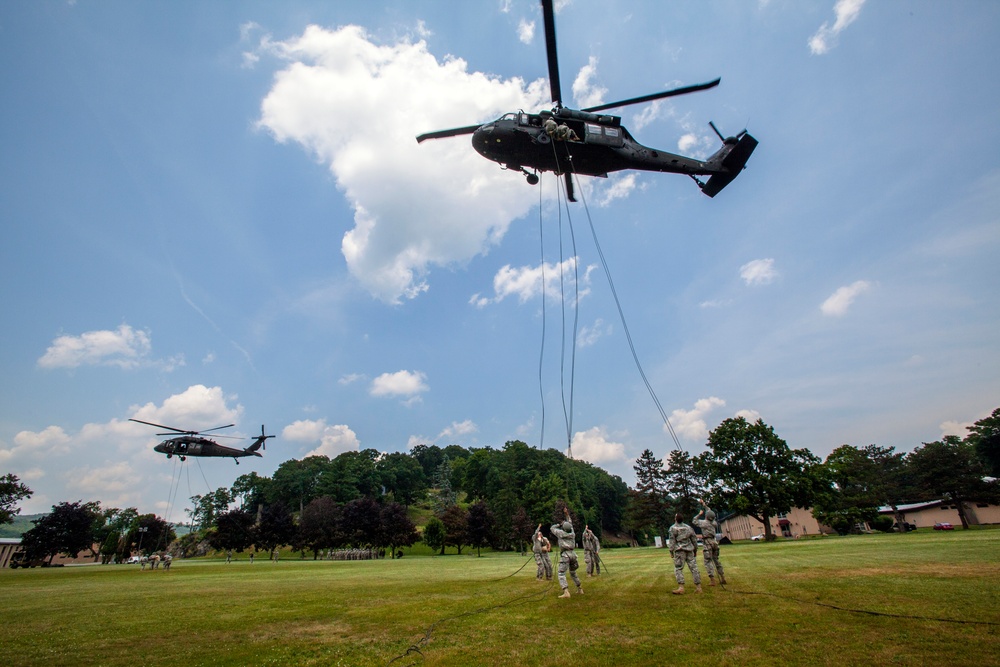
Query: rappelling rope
{"type": "Point", "coordinates": [415, 649]}
{"type": "Point", "coordinates": [628, 335]}
{"type": "Point", "coordinates": [541, 352]}
{"type": "Point", "coordinates": [560, 202]}
{"type": "Point", "coordinates": [868, 612]}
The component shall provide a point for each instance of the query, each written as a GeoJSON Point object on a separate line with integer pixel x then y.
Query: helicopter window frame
{"type": "Point", "coordinates": [604, 135]}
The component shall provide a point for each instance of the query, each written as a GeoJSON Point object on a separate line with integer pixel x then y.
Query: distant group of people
{"type": "Point", "coordinates": [355, 554]}
{"type": "Point", "coordinates": [682, 543]}
{"type": "Point", "coordinates": [155, 560]}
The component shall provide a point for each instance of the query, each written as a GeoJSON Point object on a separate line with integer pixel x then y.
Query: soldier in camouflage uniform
{"type": "Point", "coordinates": [541, 548]}
{"type": "Point", "coordinates": [567, 557]}
{"type": "Point", "coordinates": [591, 547]}
{"type": "Point", "coordinates": [683, 545]}
{"type": "Point", "coordinates": [711, 547]}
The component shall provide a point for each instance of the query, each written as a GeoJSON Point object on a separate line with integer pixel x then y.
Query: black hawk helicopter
{"type": "Point", "coordinates": [187, 443]}
{"type": "Point", "coordinates": [569, 141]}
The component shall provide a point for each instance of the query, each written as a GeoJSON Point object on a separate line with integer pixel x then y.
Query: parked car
{"type": "Point", "coordinates": [134, 559]}
{"type": "Point", "coordinates": [907, 527]}
{"type": "Point", "coordinates": [944, 525]}
{"type": "Point", "coordinates": [757, 538]}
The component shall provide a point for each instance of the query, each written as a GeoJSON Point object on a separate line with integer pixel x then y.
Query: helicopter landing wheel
{"type": "Point", "coordinates": [532, 179]}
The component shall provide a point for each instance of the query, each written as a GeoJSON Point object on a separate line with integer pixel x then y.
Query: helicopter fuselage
{"type": "Point", "coordinates": [520, 141]}
{"type": "Point", "coordinates": [188, 445]}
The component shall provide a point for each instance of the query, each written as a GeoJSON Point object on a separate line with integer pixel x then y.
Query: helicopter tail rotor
{"type": "Point", "coordinates": [729, 161]}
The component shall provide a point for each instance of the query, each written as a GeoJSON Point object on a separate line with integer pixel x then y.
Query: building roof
{"type": "Point", "coordinates": [912, 506]}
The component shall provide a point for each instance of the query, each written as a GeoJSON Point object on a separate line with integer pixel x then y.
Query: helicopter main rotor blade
{"type": "Point", "coordinates": [442, 134]}
{"type": "Point", "coordinates": [656, 96]}
{"type": "Point", "coordinates": [217, 428]}
{"type": "Point", "coordinates": [548, 15]}
{"type": "Point", "coordinates": [169, 428]}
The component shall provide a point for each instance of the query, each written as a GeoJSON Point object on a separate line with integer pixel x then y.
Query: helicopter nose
{"type": "Point", "coordinates": [482, 139]}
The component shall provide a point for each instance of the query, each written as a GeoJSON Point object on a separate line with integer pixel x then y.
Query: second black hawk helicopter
{"type": "Point", "coordinates": [569, 141]}
{"type": "Point", "coordinates": [189, 443]}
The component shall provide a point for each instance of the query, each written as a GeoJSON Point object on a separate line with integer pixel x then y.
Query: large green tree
{"type": "Point", "coordinates": [12, 491]}
{"type": "Point", "coordinates": [985, 438]}
{"type": "Point", "coordinates": [863, 480]}
{"type": "Point", "coordinates": [682, 482]}
{"type": "Point", "coordinates": [395, 528]}
{"type": "Point", "coordinates": [949, 468]}
{"type": "Point", "coordinates": [754, 472]}
{"type": "Point", "coordinates": [296, 483]}
{"type": "Point", "coordinates": [234, 531]}
{"type": "Point", "coordinates": [111, 526]}
{"type": "Point", "coordinates": [403, 477]}
{"type": "Point", "coordinates": [276, 528]}
{"type": "Point", "coordinates": [319, 526]}
{"type": "Point", "coordinates": [648, 507]}
{"type": "Point", "coordinates": [205, 509]}
{"type": "Point", "coordinates": [435, 534]}
{"type": "Point", "coordinates": [68, 529]}
{"type": "Point", "coordinates": [480, 526]}
{"type": "Point", "coordinates": [250, 491]}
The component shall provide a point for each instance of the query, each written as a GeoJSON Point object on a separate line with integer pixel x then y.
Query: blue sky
{"type": "Point", "coordinates": [217, 212]}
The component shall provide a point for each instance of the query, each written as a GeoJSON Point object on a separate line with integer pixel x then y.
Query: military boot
{"type": "Point", "coordinates": [565, 593]}
{"type": "Point", "coordinates": [711, 580]}
{"type": "Point", "coordinates": [722, 579]}
{"type": "Point", "coordinates": [697, 588]}
{"type": "Point", "coordinates": [579, 590]}
{"type": "Point", "coordinates": [679, 591]}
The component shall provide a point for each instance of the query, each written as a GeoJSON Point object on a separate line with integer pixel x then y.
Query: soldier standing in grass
{"type": "Point", "coordinates": [711, 547]}
{"type": "Point", "coordinates": [591, 547]}
{"type": "Point", "coordinates": [541, 547]}
{"type": "Point", "coordinates": [683, 545]}
{"type": "Point", "coordinates": [567, 556]}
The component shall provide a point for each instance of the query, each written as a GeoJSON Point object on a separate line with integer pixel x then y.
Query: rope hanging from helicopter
{"type": "Point", "coordinates": [618, 305]}
{"type": "Point", "coordinates": [564, 391]}
{"type": "Point", "coordinates": [541, 352]}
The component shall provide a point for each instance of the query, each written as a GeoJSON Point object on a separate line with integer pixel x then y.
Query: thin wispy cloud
{"type": "Point", "coordinates": [838, 303]}
{"type": "Point", "coordinates": [758, 272]}
{"type": "Point", "coordinates": [825, 38]}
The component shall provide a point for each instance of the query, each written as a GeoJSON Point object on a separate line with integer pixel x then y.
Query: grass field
{"type": "Point", "coordinates": [786, 603]}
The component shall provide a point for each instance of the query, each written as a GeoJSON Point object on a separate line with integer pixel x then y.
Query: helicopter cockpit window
{"type": "Point", "coordinates": [509, 116]}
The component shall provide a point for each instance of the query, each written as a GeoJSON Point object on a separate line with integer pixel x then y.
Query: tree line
{"type": "Point", "coordinates": [748, 469]}
{"type": "Point", "coordinates": [486, 497]}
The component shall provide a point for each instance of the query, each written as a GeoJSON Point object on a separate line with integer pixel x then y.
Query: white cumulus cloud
{"type": "Point", "coordinates": [586, 92]}
{"type": "Point", "coordinates": [526, 31]}
{"type": "Point", "coordinates": [595, 446]}
{"type": "Point", "coordinates": [357, 105]}
{"type": "Point", "coordinates": [124, 347]}
{"type": "Point", "coordinates": [400, 383]}
{"type": "Point", "coordinates": [332, 439]}
{"type": "Point", "coordinates": [691, 424]}
{"type": "Point", "coordinates": [528, 282]}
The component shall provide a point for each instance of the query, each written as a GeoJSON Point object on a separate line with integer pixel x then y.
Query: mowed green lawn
{"type": "Point", "coordinates": [464, 610]}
